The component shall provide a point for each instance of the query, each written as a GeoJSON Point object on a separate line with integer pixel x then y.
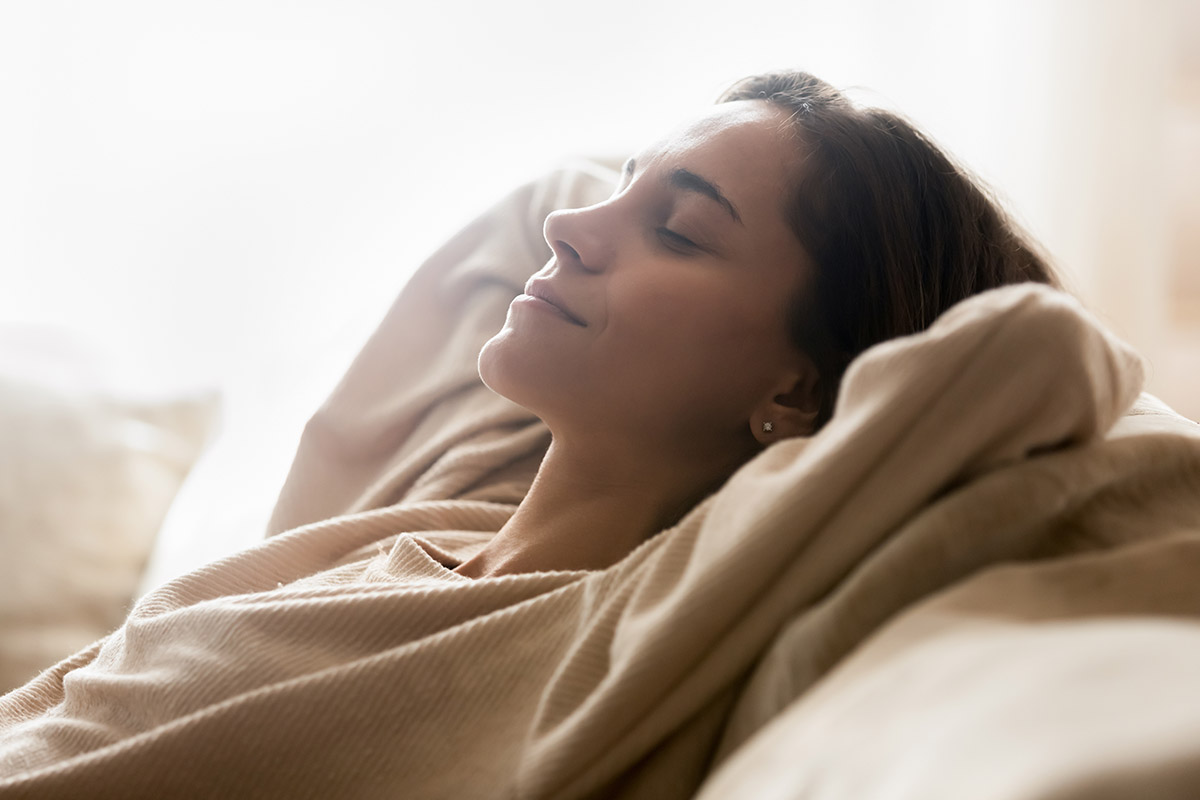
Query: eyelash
{"type": "Point", "coordinates": [676, 241]}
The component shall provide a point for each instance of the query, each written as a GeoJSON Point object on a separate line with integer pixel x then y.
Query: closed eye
{"type": "Point", "coordinates": [676, 241]}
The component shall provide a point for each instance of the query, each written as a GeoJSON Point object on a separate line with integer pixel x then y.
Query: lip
{"type": "Point", "coordinates": [540, 290]}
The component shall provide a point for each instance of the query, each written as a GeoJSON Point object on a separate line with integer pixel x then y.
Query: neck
{"type": "Point", "coordinates": [588, 511]}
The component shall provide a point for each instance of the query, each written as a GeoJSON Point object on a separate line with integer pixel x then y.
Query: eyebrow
{"type": "Point", "coordinates": [689, 181]}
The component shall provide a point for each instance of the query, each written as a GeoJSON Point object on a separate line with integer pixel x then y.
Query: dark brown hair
{"type": "Point", "coordinates": [896, 232]}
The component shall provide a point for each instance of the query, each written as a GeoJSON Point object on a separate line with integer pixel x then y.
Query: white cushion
{"type": "Point", "coordinates": [86, 476]}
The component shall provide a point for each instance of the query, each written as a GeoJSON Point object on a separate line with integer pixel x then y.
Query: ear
{"type": "Point", "coordinates": [791, 408]}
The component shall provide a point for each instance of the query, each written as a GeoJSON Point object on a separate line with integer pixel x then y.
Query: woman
{"type": "Point", "coordinates": [712, 304]}
{"type": "Point", "coordinates": [411, 632]}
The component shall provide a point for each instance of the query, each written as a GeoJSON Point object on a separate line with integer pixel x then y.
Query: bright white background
{"type": "Point", "coordinates": [231, 192]}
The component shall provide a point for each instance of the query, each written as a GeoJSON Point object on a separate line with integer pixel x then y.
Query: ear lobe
{"type": "Point", "coordinates": [791, 411]}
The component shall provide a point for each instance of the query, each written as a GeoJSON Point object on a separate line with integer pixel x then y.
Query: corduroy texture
{"type": "Point", "coordinates": [341, 657]}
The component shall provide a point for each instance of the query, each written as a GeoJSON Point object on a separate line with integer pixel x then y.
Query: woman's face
{"type": "Point", "coordinates": [675, 292]}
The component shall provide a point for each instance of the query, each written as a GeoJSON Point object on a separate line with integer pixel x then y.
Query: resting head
{"type": "Point", "coordinates": [712, 303]}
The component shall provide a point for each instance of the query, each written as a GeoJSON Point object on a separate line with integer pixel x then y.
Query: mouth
{"type": "Point", "coordinates": [540, 291]}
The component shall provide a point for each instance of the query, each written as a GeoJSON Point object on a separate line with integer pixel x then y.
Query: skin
{"type": "Point", "coordinates": [657, 389]}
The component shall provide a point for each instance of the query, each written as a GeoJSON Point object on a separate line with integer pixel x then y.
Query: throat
{"type": "Point", "coordinates": [575, 518]}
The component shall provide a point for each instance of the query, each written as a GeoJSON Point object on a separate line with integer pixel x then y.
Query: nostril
{"type": "Point", "coordinates": [574, 253]}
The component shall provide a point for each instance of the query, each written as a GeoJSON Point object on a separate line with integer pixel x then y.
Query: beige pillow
{"type": "Point", "coordinates": [85, 480]}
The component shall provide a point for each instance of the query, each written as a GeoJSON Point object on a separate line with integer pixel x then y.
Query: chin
{"type": "Point", "coordinates": [486, 365]}
{"type": "Point", "coordinates": [525, 375]}
{"type": "Point", "coordinates": [504, 369]}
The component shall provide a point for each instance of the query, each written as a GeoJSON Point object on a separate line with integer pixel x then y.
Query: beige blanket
{"type": "Point", "coordinates": [1072, 679]}
{"type": "Point", "coordinates": [341, 658]}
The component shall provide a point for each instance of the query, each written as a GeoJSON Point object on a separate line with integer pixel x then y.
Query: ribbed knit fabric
{"type": "Point", "coordinates": [341, 658]}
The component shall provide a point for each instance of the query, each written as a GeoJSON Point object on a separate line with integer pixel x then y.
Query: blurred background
{"type": "Point", "coordinates": [230, 193]}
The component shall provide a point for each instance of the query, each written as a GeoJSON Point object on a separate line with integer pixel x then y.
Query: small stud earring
{"type": "Point", "coordinates": [768, 427]}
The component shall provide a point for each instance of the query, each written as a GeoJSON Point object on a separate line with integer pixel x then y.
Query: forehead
{"type": "Point", "coordinates": [738, 125]}
{"type": "Point", "coordinates": [747, 147]}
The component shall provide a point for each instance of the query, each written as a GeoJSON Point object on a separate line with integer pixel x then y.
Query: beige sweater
{"type": "Point", "coordinates": [341, 658]}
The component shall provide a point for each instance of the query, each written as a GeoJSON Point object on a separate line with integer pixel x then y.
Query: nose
{"type": "Point", "coordinates": [578, 238]}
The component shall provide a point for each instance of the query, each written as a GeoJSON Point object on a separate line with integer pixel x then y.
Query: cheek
{"type": "Point", "coordinates": [709, 344]}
